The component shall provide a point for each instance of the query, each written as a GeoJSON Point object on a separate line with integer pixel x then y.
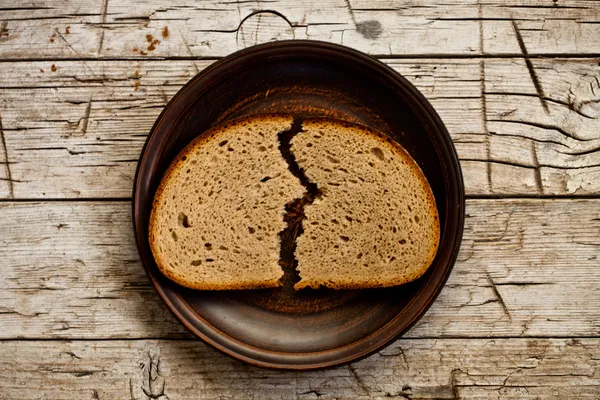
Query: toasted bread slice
{"type": "Point", "coordinates": [218, 211]}
{"type": "Point", "coordinates": [376, 223]}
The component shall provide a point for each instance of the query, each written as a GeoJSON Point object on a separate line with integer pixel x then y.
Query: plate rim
{"type": "Point", "coordinates": [386, 334]}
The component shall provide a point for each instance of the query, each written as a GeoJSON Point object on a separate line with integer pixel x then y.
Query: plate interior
{"type": "Point", "coordinates": [270, 327]}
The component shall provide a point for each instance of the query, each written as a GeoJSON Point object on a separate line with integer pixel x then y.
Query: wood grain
{"type": "Point", "coordinates": [526, 268]}
{"type": "Point", "coordinates": [77, 132]}
{"type": "Point", "coordinates": [82, 29]}
{"type": "Point", "coordinates": [523, 126]}
{"type": "Point", "coordinates": [549, 133]}
{"type": "Point", "coordinates": [408, 369]}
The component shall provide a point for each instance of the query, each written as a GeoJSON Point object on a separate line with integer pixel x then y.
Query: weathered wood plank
{"type": "Point", "coordinates": [80, 29]}
{"type": "Point", "coordinates": [215, 28]}
{"type": "Point", "coordinates": [78, 131]}
{"type": "Point", "coordinates": [526, 268]}
{"type": "Point", "coordinates": [548, 133]}
{"type": "Point", "coordinates": [408, 369]}
{"type": "Point", "coordinates": [85, 122]}
{"type": "Point", "coordinates": [545, 26]}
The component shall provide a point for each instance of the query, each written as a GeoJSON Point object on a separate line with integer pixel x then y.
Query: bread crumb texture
{"type": "Point", "coordinates": [376, 223]}
{"type": "Point", "coordinates": [218, 211]}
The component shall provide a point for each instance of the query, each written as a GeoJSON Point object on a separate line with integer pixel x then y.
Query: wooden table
{"type": "Point", "coordinates": [517, 83]}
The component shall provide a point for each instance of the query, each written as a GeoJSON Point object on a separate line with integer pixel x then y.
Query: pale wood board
{"type": "Point", "coordinates": [518, 318]}
{"type": "Point", "coordinates": [540, 131]}
{"type": "Point", "coordinates": [77, 132]}
{"type": "Point", "coordinates": [526, 268]}
{"type": "Point", "coordinates": [407, 369]}
{"type": "Point", "coordinates": [108, 28]}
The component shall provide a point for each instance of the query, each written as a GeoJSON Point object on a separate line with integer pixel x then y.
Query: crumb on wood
{"type": "Point", "coordinates": [68, 30]}
{"type": "Point", "coordinates": [153, 45]}
{"type": "Point", "coordinates": [42, 70]}
{"type": "Point", "coordinates": [135, 49]}
{"type": "Point", "coordinates": [53, 68]}
{"type": "Point", "coordinates": [136, 86]}
{"type": "Point", "coordinates": [165, 32]}
{"type": "Point", "coordinates": [149, 38]}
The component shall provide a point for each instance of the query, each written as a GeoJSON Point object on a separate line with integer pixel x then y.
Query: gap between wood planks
{"type": "Point", "coordinates": [441, 56]}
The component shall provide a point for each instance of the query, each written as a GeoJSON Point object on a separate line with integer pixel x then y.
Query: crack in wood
{"type": "Point", "coordinates": [399, 395]}
{"type": "Point", "coordinates": [103, 12]}
{"type": "Point", "coordinates": [131, 396]}
{"type": "Point", "coordinates": [534, 77]}
{"type": "Point", "coordinates": [570, 105]}
{"type": "Point", "coordinates": [477, 19]}
{"type": "Point", "coordinates": [76, 373]}
{"type": "Point", "coordinates": [153, 382]}
{"type": "Point", "coordinates": [497, 294]}
{"type": "Point", "coordinates": [403, 358]}
{"type": "Point", "coordinates": [86, 118]}
{"type": "Point", "coordinates": [189, 50]}
{"type": "Point", "coordinates": [15, 312]}
{"type": "Point", "coordinates": [358, 379]}
{"type": "Point", "coordinates": [516, 135]}
{"type": "Point", "coordinates": [483, 303]}
{"type": "Point", "coordinates": [312, 391]}
{"type": "Point", "coordinates": [33, 8]}
{"type": "Point", "coordinates": [552, 7]}
{"type": "Point", "coordinates": [543, 126]}
{"type": "Point", "coordinates": [351, 12]}
{"type": "Point", "coordinates": [164, 96]}
{"type": "Point", "coordinates": [485, 126]}
{"type": "Point", "coordinates": [580, 152]}
{"type": "Point", "coordinates": [72, 354]}
{"type": "Point", "coordinates": [64, 326]}
{"type": "Point", "coordinates": [502, 235]}
{"type": "Point", "coordinates": [60, 35]}
{"type": "Point", "coordinates": [522, 283]}
{"type": "Point", "coordinates": [66, 16]}
{"type": "Point", "coordinates": [11, 189]}
{"type": "Point", "coordinates": [536, 164]}
{"type": "Point", "coordinates": [480, 13]}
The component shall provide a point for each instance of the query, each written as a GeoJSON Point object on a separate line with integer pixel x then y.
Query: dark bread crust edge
{"type": "Point", "coordinates": [397, 149]}
{"type": "Point", "coordinates": [176, 164]}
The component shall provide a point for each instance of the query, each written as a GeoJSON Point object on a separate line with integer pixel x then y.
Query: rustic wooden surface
{"type": "Point", "coordinates": [517, 83]}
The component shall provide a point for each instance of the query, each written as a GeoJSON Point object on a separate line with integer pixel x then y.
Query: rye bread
{"type": "Point", "coordinates": [375, 223]}
{"type": "Point", "coordinates": [218, 211]}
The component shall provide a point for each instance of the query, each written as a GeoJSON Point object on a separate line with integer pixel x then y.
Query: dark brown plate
{"type": "Point", "coordinates": [312, 328]}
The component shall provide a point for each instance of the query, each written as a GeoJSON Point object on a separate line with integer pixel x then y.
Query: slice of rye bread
{"type": "Point", "coordinates": [376, 223]}
{"type": "Point", "coordinates": [218, 211]}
